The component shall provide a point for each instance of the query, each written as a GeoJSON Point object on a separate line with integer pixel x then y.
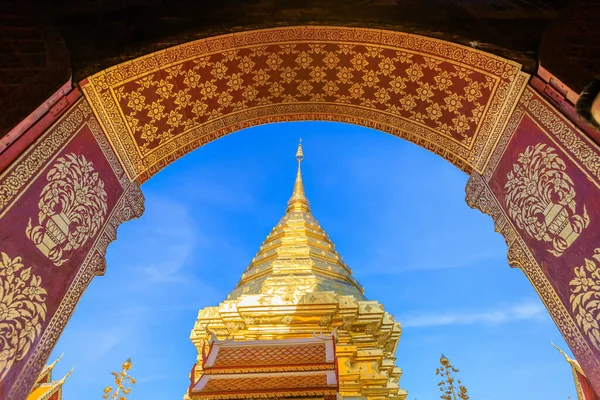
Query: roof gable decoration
{"type": "Point", "coordinates": [278, 349]}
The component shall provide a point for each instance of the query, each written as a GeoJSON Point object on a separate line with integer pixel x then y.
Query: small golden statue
{"type": "Point", "coordinates": [121, 378]}
{"type": "Point", "coordinates": [447, 385]}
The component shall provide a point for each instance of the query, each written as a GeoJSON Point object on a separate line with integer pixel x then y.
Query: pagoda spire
{"type": "Point", "coordinates": [298, 202]}
{"type": "Point", "coordinates": [297, 257]}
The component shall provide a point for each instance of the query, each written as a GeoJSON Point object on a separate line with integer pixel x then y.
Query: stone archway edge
{"type": "Point", "coordinates": [517, 135]}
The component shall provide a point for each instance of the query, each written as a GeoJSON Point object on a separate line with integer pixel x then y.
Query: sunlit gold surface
{"type": "Point", "coordinates": [298, 285]}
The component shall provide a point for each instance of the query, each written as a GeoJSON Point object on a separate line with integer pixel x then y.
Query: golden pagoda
{"type": "Point", "coordinates": [297, 325]}
{"type": "Point", "coordinates": [45, 388]}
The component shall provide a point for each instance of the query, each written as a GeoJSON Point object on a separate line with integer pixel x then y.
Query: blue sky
{"type": "Point", "coordinates": [396, 213]}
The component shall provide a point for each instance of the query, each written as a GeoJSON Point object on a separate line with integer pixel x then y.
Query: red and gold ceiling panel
{"type": "Point", "coordinates": [448, 98]}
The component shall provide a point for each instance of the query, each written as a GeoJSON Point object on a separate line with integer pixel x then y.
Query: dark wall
{"type": "Point", "coordinates": [101, 33]}
{"type": "Point", "coordinates": [34, 62]}
{"type": "Point", "coordinates": [570, 48]}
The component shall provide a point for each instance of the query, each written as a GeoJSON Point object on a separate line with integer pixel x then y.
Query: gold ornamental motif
{"type": "Point", "coordinates": [121, 379]}
{"type": "Point", "coordinates": [139, 101]}
{"type": "Point", "coordinates": [450, 386]}
{"type": "Point", "coordinates": [481, 197]}
{"type": "Point", "coordinates": [540, 197]}
{"type": "Point", "coordinates": [22, 311]}
{"type": "Point", "coordinates": [445, 97]}
{"type": "Point", "coordinates": [72, 208]}
{"type": "Point", "coordinates": [18, 177]}
{"type": "Point", "coordinates": [585, 298]}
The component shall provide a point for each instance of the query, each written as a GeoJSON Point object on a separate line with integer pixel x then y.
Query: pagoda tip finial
{"type": "Point", "coordinates": [298, 202]}
{"type": "Point", "coordinates": [299, 152]}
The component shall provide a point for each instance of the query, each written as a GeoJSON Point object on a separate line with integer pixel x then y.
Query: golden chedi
{"type": "Point", "coordinates": [297, 325]}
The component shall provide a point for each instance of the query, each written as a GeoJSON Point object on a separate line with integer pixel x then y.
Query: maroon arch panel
{"type": "Point", "coordinates": [60, 204]}
{"type": "Point", "coordinates": [542, 187]}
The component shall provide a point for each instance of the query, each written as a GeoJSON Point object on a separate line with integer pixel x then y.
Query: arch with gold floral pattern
{"type": "Point", "coordinates": [470, 107]}
{"type": "Point", "coordinates": [450, 99]}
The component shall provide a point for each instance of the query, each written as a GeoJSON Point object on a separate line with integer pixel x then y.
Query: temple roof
{"type": "Point", "coordinates": [46, 375]}
{"type": "Point", "coordinates": [297, 257]}
{"type": "Point", "coordinates": [45, 388]}
{"type": "Point", "coordinates": [300, 354]}
{"type": "Point", "coordinates": [268, 369]}
{"type": "Point", "coordinates": [275, 385]}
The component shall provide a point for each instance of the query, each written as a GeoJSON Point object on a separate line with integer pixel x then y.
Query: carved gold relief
{"type": "Point", "coordinates": [585, 298]}
{"type": "Point", "coordinates": [22, 311]}
{"type": "Point", "coordinates": [72, 208]}
{"type": "Point", "coordinates": [540, 197]}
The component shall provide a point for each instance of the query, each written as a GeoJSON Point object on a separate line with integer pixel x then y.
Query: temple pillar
{"type": "Point", "coordinates": [61, 202]}
{"type": "Point", "coordinates": [542, 188]}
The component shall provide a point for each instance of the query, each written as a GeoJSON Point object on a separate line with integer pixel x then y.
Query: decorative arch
{"type": "Point", "coordinates": [472, 108]}
{"type": "Point", "coordinates": [448, 98]}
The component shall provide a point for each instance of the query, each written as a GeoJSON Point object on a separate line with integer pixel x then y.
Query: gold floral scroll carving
{"type": "Point", "coordinates": [585, 298]}
{"type": "Point", "coordinates": [544, 182]}
{"type": "Point", "coordinates": [72, 208]}
{"type": "Point", "coordinates": [22, 310]}
{"type": "Point", "coordinates": [481, 197]}
{"type": "Point", "coordinates": [540, 197]}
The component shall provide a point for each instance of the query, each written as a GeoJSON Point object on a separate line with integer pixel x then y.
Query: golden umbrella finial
{"type": "Point", "coordinates": [299, 152]}
{"type": "Point", "coordinates": [444, 360]}
{"type": "Point", "coordinates": [121, 379]}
